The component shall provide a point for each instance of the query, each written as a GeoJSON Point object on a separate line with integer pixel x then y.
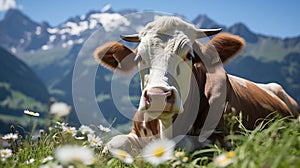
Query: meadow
{"type": "Point", "coordinates": [274, 143]}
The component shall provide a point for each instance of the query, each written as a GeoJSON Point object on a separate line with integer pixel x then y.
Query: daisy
{"type": "Point", "coordinates": [10, 136]}
{"type": "Point", "coordinates": [85, 130]}
{"type": "Point", "coordinates": [6, 153]}
{"type": "Point", "coordinates": [122, 155]}
{"type": "Point", "coordinates": [60, 109]}
{"type": "Point", "coordinates": [31, 113]}
{"type": "Point", "coordinates": [69, 130]}
{"type": "Point", "coordinates": [47, 159]}
{"type": "Point", "coordinates": [224, 160]}
{"type": "Point", "coordinates": [158, 151]}
{"type": "Point", "coordinates": [70, 154]}
{"type": "Point", "coordinates": [179, 154]}
{"type": "Point", "coordinates": [30, 161]}
{"type": "Point", "coordinates": [185, 159]}
{"type": "Point", "coordinates": [104, 129]}
{"type": "Point", "coordinates": [51, 165]}
{"type": "Point", "coordinates": [94, 140]}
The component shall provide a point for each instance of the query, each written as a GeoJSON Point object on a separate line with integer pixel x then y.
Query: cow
{"type": "Point", "coordinates": [184, 85]}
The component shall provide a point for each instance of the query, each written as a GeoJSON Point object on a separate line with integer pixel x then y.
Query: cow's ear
{"type": "Point", "coordinates": [116, 56]}
{"type": "Point", "coordinates": [227, 45]}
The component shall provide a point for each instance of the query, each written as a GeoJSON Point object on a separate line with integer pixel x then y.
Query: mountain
{"type": "Point", "coordinates": [55, 54]}
{"type": "Point", "coordinates": [18, 32]}
{"type": "Point", "coordinates": [20, 88]}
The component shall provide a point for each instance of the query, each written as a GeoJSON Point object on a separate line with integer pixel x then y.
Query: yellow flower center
{"type": "Point", "coordinates": [159, 152]}
{"type": "Point", "coordinates": [185, 159]}
{"type": "Point", "coordinates": [31, 113]}
{"type": "Point", "coordinates": [122, 154]}
{"type": "Point", "coordinates": [224, 160]}
{"type": "Point", "coordinates": [179, 154]}
{"type": "Point", "coordinates": [94, 140]}
{"type": "Point", "coordinates": [69, 130]}
{"type": "Point", "coordinates": [230, 154]}
{"type": "Point", "coordinates": [4, 153]}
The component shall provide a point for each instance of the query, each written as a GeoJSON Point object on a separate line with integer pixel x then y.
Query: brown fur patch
{"type": "Point", "coordinates": [115, 56]}
{"type": "Point", "coordinates": [227, 45]}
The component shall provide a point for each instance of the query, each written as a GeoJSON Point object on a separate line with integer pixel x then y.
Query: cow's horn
{"type": "Point", "coordinates": [207, 32]}
{"type": "Point", "coordinates": [131, 38]}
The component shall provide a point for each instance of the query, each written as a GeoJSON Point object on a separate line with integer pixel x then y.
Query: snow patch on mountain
{"type": "Point", "coordinates": [110, 21]}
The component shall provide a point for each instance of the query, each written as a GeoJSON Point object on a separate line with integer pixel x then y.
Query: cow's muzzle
{"type": "Point", "coordinates": [158, 100]}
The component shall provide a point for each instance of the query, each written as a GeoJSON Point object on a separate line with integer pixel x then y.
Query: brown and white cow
{"type": "Point", "coordinates": [184, 86]}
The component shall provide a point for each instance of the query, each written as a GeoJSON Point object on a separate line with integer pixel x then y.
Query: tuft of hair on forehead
{"type": "Point", "coordinates": [167, 24]}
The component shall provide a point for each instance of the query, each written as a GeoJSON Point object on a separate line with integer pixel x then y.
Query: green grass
{"type": "Point", "coordinates": [272, 144]}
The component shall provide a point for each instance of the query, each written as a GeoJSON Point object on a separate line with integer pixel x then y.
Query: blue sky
{"type": "Point", "coordinates": [277, 17]}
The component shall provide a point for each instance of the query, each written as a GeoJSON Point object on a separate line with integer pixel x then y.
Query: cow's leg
{"type": "Point", "coordinates": [130, 143]}
{"type": "Point", "coordinates": [277, 90]}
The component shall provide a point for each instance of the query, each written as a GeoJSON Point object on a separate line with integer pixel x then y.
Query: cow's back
{"type": "Point", "coordinates": [254, 102]}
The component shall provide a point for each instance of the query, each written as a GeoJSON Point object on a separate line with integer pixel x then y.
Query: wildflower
{"type": "Point", "coordinates": [122, 155]}
{"type": "Point", "coordinates": [62, 124]}
{"type": "Point", "coordinates": [185, 159]}
{"type": "Point", "coordinates": [70, 154]}
{"type": "Point", "coordinates": [224, 159]}
{"type": "Point", "coordinates": [158, 151]}
{"type": "Point", "coordinates": [94, 140]}
{"type": "Point", "coordinates": [6, 153]}
{"type": "Point", "coordinates": [10, 136]}
{"type": "Point", "coordinates": [47, 159]}
{"type": "Point", "coordinates": [51, 165]}
{"type": "Point", "coordinates": [85, 130]}
{"type": "Point", "coordinates": [69, 130]}
{"type": "Point", "coordinates": [104, 129]}
{"type": "Point", "coordinates": [60, 109]}
{"type": "Point", "coordinates": [31, 113]}
{"type": "Point", "coordinates": [179, 154]}
{"type": "Point", "coordinates": [30, 161]}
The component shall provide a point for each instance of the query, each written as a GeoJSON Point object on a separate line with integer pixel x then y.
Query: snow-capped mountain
{"type": "Point", "coordinates": [20, 34]}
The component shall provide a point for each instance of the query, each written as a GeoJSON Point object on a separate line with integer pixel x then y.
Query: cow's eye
{"type": "Point", "coordinates": [188, 56]}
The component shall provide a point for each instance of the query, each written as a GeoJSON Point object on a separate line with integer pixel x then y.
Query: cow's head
{"type": "Point", "coordinates": [165, 56]}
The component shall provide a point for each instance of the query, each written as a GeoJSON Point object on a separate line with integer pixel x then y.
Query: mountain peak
{"type": "Point", "coordinates": [14, 13]}
{"type": "Point", "coordinates": [242, 30]}
{"type": "Point", "coordinates": [202, 21]}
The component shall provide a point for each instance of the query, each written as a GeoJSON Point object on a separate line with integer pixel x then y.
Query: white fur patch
{"type": "Point", "coordinates": [241, 81]}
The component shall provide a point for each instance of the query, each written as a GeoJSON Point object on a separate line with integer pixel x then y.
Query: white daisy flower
{"type": "Point", "coordinates": [85, 130]}
{"type": "Point", "coordinates": [30, 161]}
{"type": "Point", "coordinates": [122, 155]}
{"type": "Point", "coordinates": [47, 159]}
{"type": "Point", "coordinates": [224, 160]}
{"type": "Point", "coordinates": [94, 140]}
{"type": "Point", "coordinates": [31, 113]}
{"type": "Point", "coordinates": [104, 129]}
{"type": "Point", "coordinates": [70, 154]}
{"type": "Point", "coordinates": [51, 165]}
{"type": "Point", "coordinates": [10, 136]}
{"type": "Point", "coordinates": [69, 130]}
{"type": "Point", "coordinates": [158, 151]}
{"type": "Point", "coordinates": [179, 154]}
{"type": "Point", "coordinates": [6, 153]}
{"type": "Point", "coordinates": [60, 109]}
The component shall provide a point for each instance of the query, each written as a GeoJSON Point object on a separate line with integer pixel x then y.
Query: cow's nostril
{"type": "Point", "coordinates": [170, 97]}
{"type": "Point", "coordinates": [158, 98]}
